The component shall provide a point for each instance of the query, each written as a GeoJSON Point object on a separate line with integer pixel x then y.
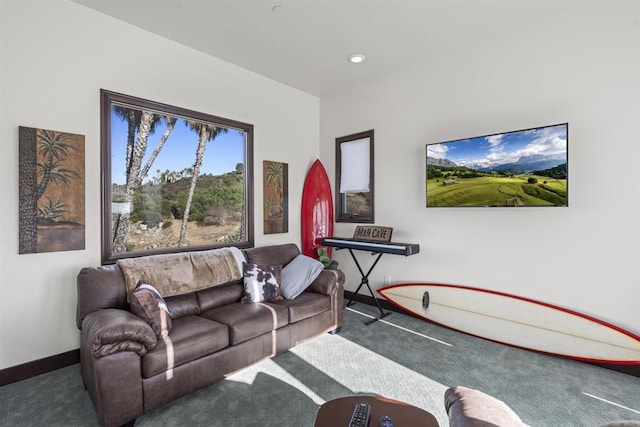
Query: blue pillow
{"type": "Point", "coordinates": [298, 275]}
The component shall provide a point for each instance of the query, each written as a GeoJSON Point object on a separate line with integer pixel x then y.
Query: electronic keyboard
{"type": "Point", "coordinates": [395, 248]}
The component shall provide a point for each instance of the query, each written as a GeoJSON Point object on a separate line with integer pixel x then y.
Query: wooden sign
{"type": "Point", "coordinates": [373, 232]}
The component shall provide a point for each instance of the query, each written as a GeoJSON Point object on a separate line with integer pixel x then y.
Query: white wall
{"type": "Point", "coordinates": [580, 67]}
{"type": "Point", "coordinates": [55, 57]}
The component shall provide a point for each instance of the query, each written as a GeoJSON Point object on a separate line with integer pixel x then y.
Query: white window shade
{"type": "Point", "coordinates": [354, 166]}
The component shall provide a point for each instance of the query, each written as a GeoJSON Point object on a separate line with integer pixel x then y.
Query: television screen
{"type": "Point", "coordinates": [520, 168]}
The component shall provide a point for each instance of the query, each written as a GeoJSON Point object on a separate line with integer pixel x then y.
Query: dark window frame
{"type": "Point", "coordinates": [341, 214]}
{"type": "Point", "coordinates": [107, 99]}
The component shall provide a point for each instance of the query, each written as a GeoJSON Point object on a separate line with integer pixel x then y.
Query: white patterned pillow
{"type": "Point", "coordinates": [149, 305]}
{"type": "Point", "coordinates": [261, 283]}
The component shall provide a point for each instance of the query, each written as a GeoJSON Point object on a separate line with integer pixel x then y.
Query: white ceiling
{"type": "Point", "coordinates": [306, 44]}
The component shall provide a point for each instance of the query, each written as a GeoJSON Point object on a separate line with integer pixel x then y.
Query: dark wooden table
{"type": "Point", "coordinates": [337, 412]}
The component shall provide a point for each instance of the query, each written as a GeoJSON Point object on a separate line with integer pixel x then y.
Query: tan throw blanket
{"type": "Point", "coordinates": [184, 272]}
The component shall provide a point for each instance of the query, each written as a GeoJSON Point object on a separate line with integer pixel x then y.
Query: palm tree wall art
{"type": "Point", "coordinates": [51, 191]}
{"type": "Point", "coordinates": [275, 197]}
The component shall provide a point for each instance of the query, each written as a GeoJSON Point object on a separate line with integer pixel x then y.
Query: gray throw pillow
{"type": "Point", "coordinates": [298, 275]}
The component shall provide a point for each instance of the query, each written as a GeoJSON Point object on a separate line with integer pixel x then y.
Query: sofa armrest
{"type": "Point", "coordinates": [467, 407]}
{"type": "Point", "coordinates": [327, 282]}
{"type": "Point", "coordinates": [112, 330]}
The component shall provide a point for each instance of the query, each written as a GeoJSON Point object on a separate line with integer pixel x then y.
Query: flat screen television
{"type": "Point", "coordinates": [519, 168]}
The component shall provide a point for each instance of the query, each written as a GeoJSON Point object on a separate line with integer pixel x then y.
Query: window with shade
{"type": "Point", "coordinates": [354, 178]}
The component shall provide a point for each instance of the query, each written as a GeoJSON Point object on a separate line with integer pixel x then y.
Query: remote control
{"type": "Point", "coordinates": [386, 421]}
{"type": "Point", "coordinates": [360, 416]}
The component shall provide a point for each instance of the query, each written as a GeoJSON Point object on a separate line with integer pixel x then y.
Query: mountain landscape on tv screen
{"type": "Point", "coordinates": [530, 164]}
{"type": "Point", "coordinates": [521, 168]}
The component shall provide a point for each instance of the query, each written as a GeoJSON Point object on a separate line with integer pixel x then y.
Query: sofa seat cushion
{"type": "Point", "coordinates": [246, 321]}
{"type": "Point", "coordinates": [191, 338]}
{"type": "Point", "coordinates": [306, 305]}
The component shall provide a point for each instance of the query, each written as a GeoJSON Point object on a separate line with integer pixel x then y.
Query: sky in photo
{"type": "Point", "coordinates": [498, 149]}
{"type": "Point", "coordinates": [179, 152]}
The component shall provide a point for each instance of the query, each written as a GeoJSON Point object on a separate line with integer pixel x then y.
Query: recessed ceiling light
{"type": "Point", "coordinates": [357, 58]}
{"type": "Point", "coordinates": [276, 9]}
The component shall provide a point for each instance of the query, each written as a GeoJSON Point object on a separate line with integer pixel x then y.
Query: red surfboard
{"type": "Point", "coordinates": [317, 210]}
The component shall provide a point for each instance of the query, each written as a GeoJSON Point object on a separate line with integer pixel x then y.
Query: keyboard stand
{"type": "Point", "coordinates": [365, 281]}
{"type": "Point", "coordinates": [376, 248]}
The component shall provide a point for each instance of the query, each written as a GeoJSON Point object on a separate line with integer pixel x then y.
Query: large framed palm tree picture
{"type": "Point", "coordinates": [51, 191]}
{"type": "Point", "coordinates": [275, 182]}
{"type": "Point", "coordinates": [173, 179]}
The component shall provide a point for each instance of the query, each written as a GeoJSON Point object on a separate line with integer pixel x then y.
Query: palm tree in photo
{"type": "Point", "coordinates": [136, 148]}
{"type": "Point", "coordinates": [240, 235]}
{"type": "Point", "coordinates": [140, 124]}
{"type": "Point", "coordinates": [53, 148]}
{"type": "Point", "coordinates": [206, 132]}
{"type": "Point", "coordinates": [274, 177]}
{"type": "Point", "coordinates": [133, 118]}
{"type": "Point", "coordinates": [273, 207]}
{"type": "Point", "coordinates": [170, 122]}
{"type": "Point", "coordinates": [52, 210]}
{"type": "Point", "coordinates": [186, 173]}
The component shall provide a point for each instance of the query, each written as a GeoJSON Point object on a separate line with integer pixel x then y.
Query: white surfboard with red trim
{"type": "Point", "coordinates": [517, 321]}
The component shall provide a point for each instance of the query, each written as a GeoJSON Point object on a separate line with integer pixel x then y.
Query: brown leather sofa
{"type": "Point", "coordinates": [128, 371]}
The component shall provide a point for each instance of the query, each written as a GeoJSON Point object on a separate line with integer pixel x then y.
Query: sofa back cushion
{"type": "Point", "coordinates": [220, 295]}
{"type": "Point", "coordinates": [272, 255]}
{"type": "Point", "coordinates": [183, 272]}
{"type": "Point", "coordinates": [183, 305]}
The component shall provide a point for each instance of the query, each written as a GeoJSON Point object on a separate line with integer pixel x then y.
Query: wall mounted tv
{"type": "Point", "coordinates": [519, 168]}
